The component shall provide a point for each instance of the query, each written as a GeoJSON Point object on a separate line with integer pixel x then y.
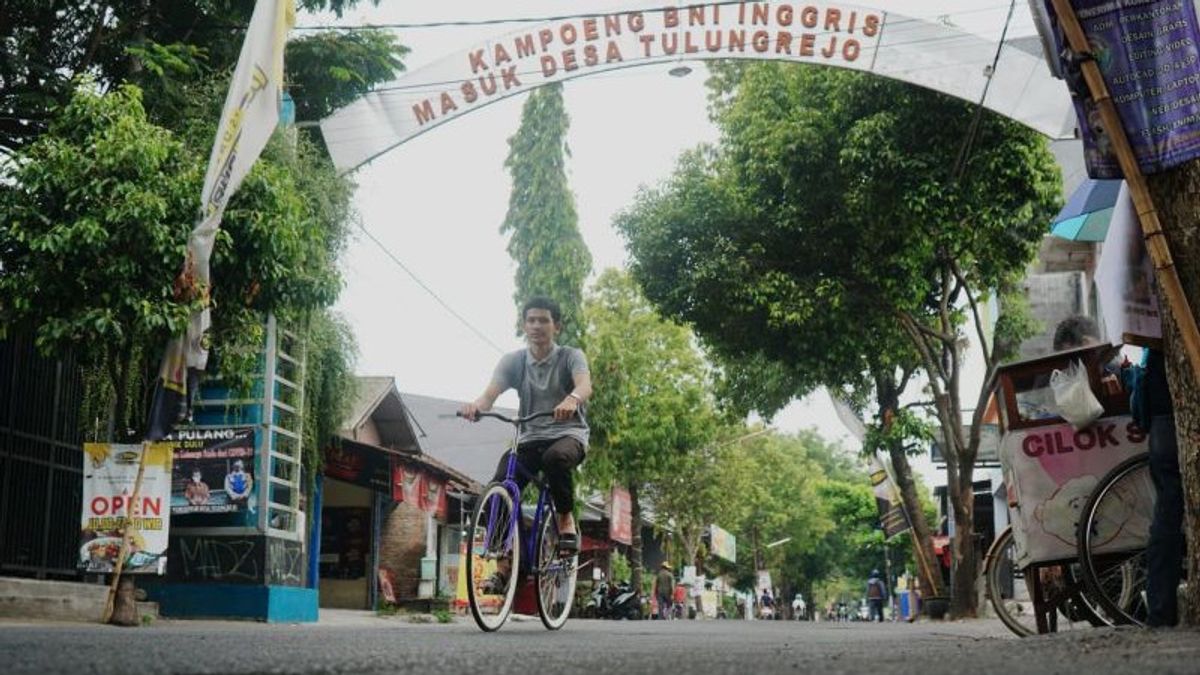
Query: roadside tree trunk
{"type": "Point", "coordinates": [1176, 194]}
{"type": "Point", "coordinates": [888, 398]}
{"type": "Point", "coordinates": [635, 552]}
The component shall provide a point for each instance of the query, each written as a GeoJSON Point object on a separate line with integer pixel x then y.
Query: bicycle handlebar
{"type": "Point", "coordinates": [511, 420]}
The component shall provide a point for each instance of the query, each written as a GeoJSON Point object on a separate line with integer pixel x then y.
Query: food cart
{"type": "Point", "coordinates": [1050, 470]}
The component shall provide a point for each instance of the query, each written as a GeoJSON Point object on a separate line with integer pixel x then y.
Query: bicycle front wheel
{"type": "Point", "coordinates": [493, 557]}
{"type": "Point", "coordinates": [1114, 529]}
{"type": "Point", "coordinates": [555, 576]}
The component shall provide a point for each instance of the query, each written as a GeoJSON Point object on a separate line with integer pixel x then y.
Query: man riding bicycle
{"type": "Point", "coordinates": [547, 376]}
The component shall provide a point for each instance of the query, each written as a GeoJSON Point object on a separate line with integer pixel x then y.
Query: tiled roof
{"type": "Point", "coordinates": [473, 449]}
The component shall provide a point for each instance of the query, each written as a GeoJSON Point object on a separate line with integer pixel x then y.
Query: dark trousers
{"type": "Point", "coordinates": [556, 459]}
{"type": "Point", "coordinates": [1164, 552]}
{"type": "Point", "coordinates": [875, 609]}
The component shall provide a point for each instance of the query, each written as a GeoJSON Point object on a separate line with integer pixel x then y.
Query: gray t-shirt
{"type": "Point", "coordinates": [545, 385]}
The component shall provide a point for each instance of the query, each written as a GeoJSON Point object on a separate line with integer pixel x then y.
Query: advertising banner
{"type": "Point", "coordinates": [213, 472]}
{"type": "Point", "coordinates": [1050, 471]}
{"type": "Point", "coordinates": [1149, 54]}
{"type": "Point", "coordinates": [891, 511]}
{"type": "Point", "coordinates": [109, 476]}
{"type": "Point", "coordinates": [724, 544]}
{"type": "Point", "coordinates": [620, 516]}
{"type": "Point", "coordinates": [368, 468]}
{"type": "Point", "coordinates": [1125, 278]}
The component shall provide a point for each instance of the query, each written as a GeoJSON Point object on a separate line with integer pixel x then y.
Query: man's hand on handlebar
{"type": "Point", "coordinates": [471, 411]}
{"type": "Point", "coordinates": [567, 409]}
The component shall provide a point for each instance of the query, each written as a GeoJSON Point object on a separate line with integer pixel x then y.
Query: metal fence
{"type": "Point", "coordinates": [40, 462]}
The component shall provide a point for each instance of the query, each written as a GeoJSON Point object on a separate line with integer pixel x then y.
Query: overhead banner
{"type": "Point", "coordinates": [925, 53]}
{"type": "Point", "coordinates": [724, 544]}
{"type": "Point", "coordinates": [213, 472]}
{"type": "Point", "coordinates": [109, 477]}
{"type": "Point", "coordinates": [891, 511]}
{"type": "Point", "coordinates": [1149, 54]}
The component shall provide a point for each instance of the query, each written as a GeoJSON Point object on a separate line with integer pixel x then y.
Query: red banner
{"type": "Point", "coordinates": [620, 516]}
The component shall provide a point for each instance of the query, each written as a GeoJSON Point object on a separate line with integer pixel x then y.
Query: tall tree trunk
{"type": "Point", "coordinates": [1176, 193]}
{"type": "Point", "coordinates": [635, 560]}
{"type": "Point", "coordinates": [888, 398]}
{"type": "Point", "coordinates": [964, 599]}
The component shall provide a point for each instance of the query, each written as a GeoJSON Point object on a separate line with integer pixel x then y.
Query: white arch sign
{"type": "Point", "coordinates": [835, 34]}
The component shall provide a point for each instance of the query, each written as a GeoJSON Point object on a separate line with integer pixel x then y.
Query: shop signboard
{"type": "Point", "coordinates": [620, 516]}
{"type": "Point", "coordinates": [1149, 55]}
{"type": "Point", "coordinates": [1050, 471]}
{"type": "Point", "coordinates": [723, 544]}
{"type": "Point", "coordinates": [353, 464]}
{"type": "Point", "coordinates": [109, 477]}
{"type": "Point", "coordinates": [213, 471]}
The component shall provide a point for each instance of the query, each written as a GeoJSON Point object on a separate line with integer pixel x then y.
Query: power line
{"type": "Point", "coordinates": [429, 290]}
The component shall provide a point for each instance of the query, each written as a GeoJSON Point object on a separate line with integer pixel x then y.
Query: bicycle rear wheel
{"type": "Point", "coordinates": [493, 557]}
{"type": "Point", "coordinates": [1009, 590]}
{"type": "Point", "coordinates": [555, 576]}
{"type": "Point", "coordinates": [1114, 529]}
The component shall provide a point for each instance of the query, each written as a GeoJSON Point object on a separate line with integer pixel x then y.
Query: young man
{"type": "Point", "coordinates": [547, 376]}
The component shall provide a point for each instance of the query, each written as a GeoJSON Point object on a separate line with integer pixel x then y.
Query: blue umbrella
{"type": "Point", "coordinates": [1088, 211]}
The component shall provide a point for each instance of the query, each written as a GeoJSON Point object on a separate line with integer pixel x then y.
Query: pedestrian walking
{"type": "Point", "coordinates": [876, 594]}
{"type": "Point", "coordinates": [664, 590]}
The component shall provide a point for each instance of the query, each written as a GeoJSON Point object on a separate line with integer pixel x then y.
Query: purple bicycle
{"type": "Point", "coordinates": [501, 550]}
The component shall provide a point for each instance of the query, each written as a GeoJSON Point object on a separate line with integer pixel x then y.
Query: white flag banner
{"type": "Point", "coordinates": [247, 121]}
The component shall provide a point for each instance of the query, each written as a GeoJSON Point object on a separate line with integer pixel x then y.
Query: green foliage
{"type": "Point", "coordinates": [552, 258]}
{"type": "Point", "coordinates": [331, 69]}
{"type": "Point", "coordinates": [156, 44]}
{"type": "Point", "coordinates": [650, 400]}
{"type": "Point", "coordinates": [329, 385]}
{"type": "Point", "coordinates": [619, 567]}
{"type": "Point", "coordinates": [93, 220]}
{"type": "Point", "coordinates": [442, 615]}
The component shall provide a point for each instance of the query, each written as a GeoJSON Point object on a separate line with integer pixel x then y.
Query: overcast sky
{"type": "Point", "coordinates": [437, 202]}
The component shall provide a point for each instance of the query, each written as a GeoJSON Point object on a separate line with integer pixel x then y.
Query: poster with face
{"type": "Point", "coordinates": [213, 471]}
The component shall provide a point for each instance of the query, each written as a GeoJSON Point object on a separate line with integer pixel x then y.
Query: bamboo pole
{"type": "Point", "coordinates": [126, 527]}
{"type": "Point", "coordinates": [1156, 241]}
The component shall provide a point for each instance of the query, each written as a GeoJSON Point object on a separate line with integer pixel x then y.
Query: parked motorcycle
{"type": "Point", "coordinates": [614, 602]}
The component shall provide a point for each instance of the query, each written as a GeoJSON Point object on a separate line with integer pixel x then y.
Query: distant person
{"type": "Point", "coordinates": [238, 483]}
{"type": "Point", "coordinates": [799, 609]}
{"type": "Point", "coordinates": [766, 604]}
{"type": "Point", "coordinates": [664, 590]}
{"type": "Point", "coordinates": [196, 491]}
{"type": "Point", "coordinates": [876, 594]}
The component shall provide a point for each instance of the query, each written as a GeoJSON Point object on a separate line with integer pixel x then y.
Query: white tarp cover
{"type": "Point", "coordinates": [927, 54]}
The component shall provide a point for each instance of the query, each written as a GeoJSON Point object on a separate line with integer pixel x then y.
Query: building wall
{"type": "Point", "coordinates": [345, 593]}
{"type": "Point", "coordinates": [368, 433]}
{"type": "Point", "coordinates": [402, 545]}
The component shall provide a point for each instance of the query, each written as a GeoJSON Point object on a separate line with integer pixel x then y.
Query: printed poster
{"type": "Point", "coordinates": [1051, 471]}
{"type": "Point", "coordinates": [1148, 52]}
{"type": "Point", "coordinates": [214, 471]}
{"type": "Point", "coordinates": [109, 477]}
{"type": "Point", "coordinates": [1125, 278]}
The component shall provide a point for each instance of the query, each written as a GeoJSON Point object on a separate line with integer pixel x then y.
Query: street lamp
{"type": "Point", "coordinates": [778, 543]}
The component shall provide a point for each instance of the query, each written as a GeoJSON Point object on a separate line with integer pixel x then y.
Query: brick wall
{"type": "Point", "coordinates": [401, 547]}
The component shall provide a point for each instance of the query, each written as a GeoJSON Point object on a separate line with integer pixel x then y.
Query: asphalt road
{"type": "Point", "coordinates": [376, 645]}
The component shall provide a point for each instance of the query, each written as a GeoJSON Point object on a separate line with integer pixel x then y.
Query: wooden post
{"type": "Point", "coordinates": [126, 527]}
{"type": "Point", "coordinates": [1156, 242]}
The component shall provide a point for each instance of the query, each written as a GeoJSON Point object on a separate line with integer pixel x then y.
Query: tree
{"type": "Point", "coordinates": [839, 238]}
{"type": "Point", "coordinates": [93, 220]}
{"type": "Point", "coordinates": [552, 258]}
{"type": "Point", "coordinates": [651, 403]}
{"type": "Point", "coordinates": [159, 45]}
{"type": "Point", "coordinates": [1174, 193]}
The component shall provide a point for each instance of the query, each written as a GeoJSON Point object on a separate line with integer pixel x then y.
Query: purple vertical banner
{"type": "Point", "coordinates": [1149, 54]}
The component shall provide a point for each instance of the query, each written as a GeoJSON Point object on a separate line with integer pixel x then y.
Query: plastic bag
{"type": "Point", "coordinates": [1073, 395]}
